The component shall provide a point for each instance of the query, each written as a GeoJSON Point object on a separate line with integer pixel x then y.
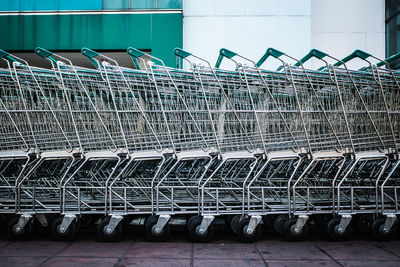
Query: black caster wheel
{"type": "Point", "coordinates": [104, 235]}
{"type": "Point", "coordinates": [44, 230]}
{"type": "Point", "coordinates": [235, 224]}
{"type": "Point", "coordinates": [279, 224]}
{"type": "Point", "coordinates": [244, 236]}
{"type": "Point", "coordinates": [194, 226]}
{"type": "Point", "coordinates": [321, 221]}
{"type": "Point", "coordinates": [18, 234]}
{"type": "Point", "coordinates": [378, 232]}
{"type": "Point", "coordinates": [364, 223]}
{"type": "Point", "coordinates": [151, 234]}
{"type": "Point", "coordinates": [269, 220]}
{"type": "Point", "coordinates": [291, 234]}
{"type": "Point", "coordinates": [67, 235]}
{"type": "Point", "coordinates": [333, 231]}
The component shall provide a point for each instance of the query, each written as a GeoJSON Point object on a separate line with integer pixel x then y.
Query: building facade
{"type": "Point", "coordinates": [249, 27]}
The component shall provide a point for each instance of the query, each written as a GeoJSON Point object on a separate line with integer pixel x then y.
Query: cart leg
{"type": "Point", "coordinates": [67, 220]}
{"type": "Point", "coordinates": [161, 222]}
{"type": "Point", "coordinates": [42, 220]}
{"type": "Point", "coordinates": [205, 223]}
{"type": "Point", "coordinates": [344, 222]}
{"type": "Point", "coordinates": [300, 222]}
{"type": "Point", "coordinates": [22, 221]}
{"type": "Point", "coordinates": [253, 223]}
{"type": "Point", "coordinates": [389, 222]}
{"type": "Point", "coordinates": [114, 221]}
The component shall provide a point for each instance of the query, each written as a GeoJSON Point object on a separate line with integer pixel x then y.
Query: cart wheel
{"type": "Point", "coordinates": [13, 234]}
{"type": "Point", "coordinates": [104, 236]}
{"type": "Point", "coordinates": [235, 224]}
{"type": "Point", "coordinates": [364, 223]}
{"type": "Point", "coordinates": [44, 230]}
{"type": "Point", "coordinates": [269, 220]}
{"type": "Point", "coordinates": [149, 228]}
{"type": "Point", "coordinates": [68, 235]}
{"type": "Point", "coordinates": [194, 227]}
{"type": "Point", "coordinates": [334, 234]}
{"type": "Point", "coordinates": [246, 237]}
{"type": "Point", "coordinates": [290, 233]}
{"type": "Point", "coordinates": [379, 234]}
{"type": "Point", "coordinates": [279, 224]}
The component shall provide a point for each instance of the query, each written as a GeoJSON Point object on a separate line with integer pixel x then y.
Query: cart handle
{"type": "Point", "coordinates": [357, 53]}
{"type": "Point", "coordinates": [223, 52]}
{"type": "Point", "coordinates": [179, 52]}
{"type": "Point", "coordinates": [135, 54]}
{"type": "Point", "coordinates": [45, 54]}
{"type": "Point", "coordinates": [90, 54]}
{"type": "Point", "coordinates": [270, 52]}
{"type": "Point", "coordinates": [389, 60]}
{"type": "Point", "coordinates": [313, 53]}
{"type": "Point", "coordinates": [7, 56]}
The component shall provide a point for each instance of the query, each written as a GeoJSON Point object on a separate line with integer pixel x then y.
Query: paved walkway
{"type": "Point", "coordinates": [271, 251]}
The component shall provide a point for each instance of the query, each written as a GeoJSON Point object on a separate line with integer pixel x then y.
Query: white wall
{"type": "Point", "coordinates": [340, 26]}
{"type": "Point", "coordinates": [249, 27]}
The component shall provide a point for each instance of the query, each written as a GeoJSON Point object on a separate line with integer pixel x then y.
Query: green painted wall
{"type": "Point", "coordinates": [159, 32]}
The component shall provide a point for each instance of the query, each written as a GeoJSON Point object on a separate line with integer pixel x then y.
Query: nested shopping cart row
{"type": "Point", "coordinates": [159, 146]}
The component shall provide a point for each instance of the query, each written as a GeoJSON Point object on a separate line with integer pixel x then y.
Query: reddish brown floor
{"type": "Point", "coordinates": [133, 250]}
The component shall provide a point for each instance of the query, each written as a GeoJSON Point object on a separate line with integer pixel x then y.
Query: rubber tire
{"type": "Point", "coordinates": [364, 224]}
{"type": "Point", "coordinates": [24, 235]}
{"type": "Point", "coordinates": [290, 235]}
{"type": "Point", "coordinates": [150, 235]}
{"type": "Point", "coordinates": [39, 228]}
{"type": "Point", "coordinates": [377, 230]}
{"type": "Point", "coordinates": [243, 236]}
{"type": "Point", "coordinates": [63, 237]}
{"type": "Point", "coordinates": [193, 225]}
{"type": "Point", "coordinates": [235, 224]}
{"type": "Point", "coordinates": [279, 224]}
{"type": "Point", "coordinates": [269, 220]}
{"type": "Point", "coordinates": [331, 229]}
{"type": "Point", "coordinates": [115, 236]}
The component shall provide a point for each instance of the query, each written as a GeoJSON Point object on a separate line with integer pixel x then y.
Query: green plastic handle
{"type": "Point", "coordinates": [313, 53]}
{"type": "Point", "coordinates": [223, 52]}
{"type": "Point", "coordinates": [389, 59]}
{"type": "Point", "coordinates": [135, 54]}
{"type": "Point", "coordinates": [90, 54]}
{"type": "Point", "coordinates": [357, 53]}
{"type": "Point", "coordinates": [179, 52]}
{"type": "Point", "coordinates": [45, 54]}
{"type": "Point", "coordinates": [270, 52]}
{"type": "Point", "coordinates": [8, 57]}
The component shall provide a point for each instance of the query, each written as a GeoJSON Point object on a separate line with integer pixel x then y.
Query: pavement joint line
{"type": "Point", "coordinates": [327, 254]}
{"type": "Point", "coordinates": [192, 255]}
{"type": "Point", "coordinates": [260, 254]}
{"type": "Point", "coordinates": [124, 254]}
{"type": "Point", "coordinates": [55, 254]}
{"type": "Point", "coordinates": [386, 250]}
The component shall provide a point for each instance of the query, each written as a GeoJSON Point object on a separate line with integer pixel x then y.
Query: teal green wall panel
{"type": "Point", "coordinates": [158, 32]}
{"type": "Point", "coordinates": [166, 35]}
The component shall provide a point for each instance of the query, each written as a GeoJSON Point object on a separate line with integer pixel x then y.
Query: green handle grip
{"type": "Point", "coordinates": [313, 53]}
{"type": "Point", "coordinates": [223, 52]}
{"type": "Point", "coordinates": [8, 57]}
{"type": "Point", "coordinates": [45, 54]}
{"type": "Point", "coordinates": [270, 52]}
{"type": "Point", "coordinates": [90, 54]}
{"type": "Point", "coordinates": [179, 52]}
{"type": "Point", "coordinates": [389, 60]}
{"type": "Point", "coordinates": [357, 53]}
{"type": "Point", "coordinates": [135, 54]}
